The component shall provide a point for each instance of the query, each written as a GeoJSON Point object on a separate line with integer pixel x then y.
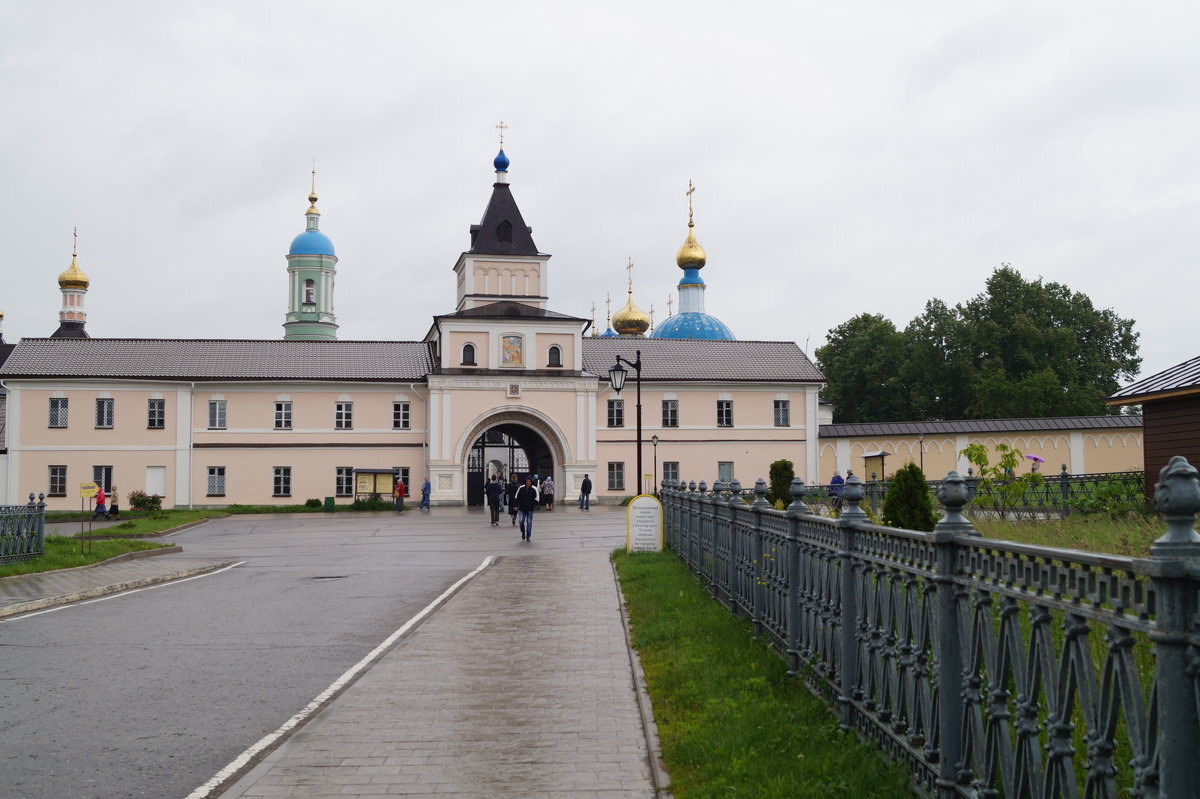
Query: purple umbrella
{"type": "Point", "coordinates": [1036, 458]}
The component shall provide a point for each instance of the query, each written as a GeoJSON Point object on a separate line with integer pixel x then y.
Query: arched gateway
{"type": "Point", "coordinates": [514, 442]}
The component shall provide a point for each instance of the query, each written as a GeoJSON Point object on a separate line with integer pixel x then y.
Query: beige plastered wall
{"type": "Point", "coordinates": [1082, 451]}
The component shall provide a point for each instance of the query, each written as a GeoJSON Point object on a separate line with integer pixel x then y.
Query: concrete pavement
{"type": "Point", "coordinates": [521, 685]}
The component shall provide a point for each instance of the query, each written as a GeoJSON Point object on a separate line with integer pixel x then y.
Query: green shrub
{"type": "Point", "coordinates": [312, 503]}
{"type": "Point", "coordinates": [781, 476]}
{"type": "Point", "coordinates": [147, 503]}
{"type": "Point", "coordinates": [373, 503]}
{"type": "Point", "coordinates": [907, 502]}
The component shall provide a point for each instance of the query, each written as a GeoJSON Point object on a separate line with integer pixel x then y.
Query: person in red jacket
{"type": "Point", "coordinates": [101, 507]}
{"type": "Point", "coordinates": [398, 492]}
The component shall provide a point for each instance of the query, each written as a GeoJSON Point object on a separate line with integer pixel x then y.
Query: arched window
{"type": "Point", "coordinates": [555, 356]}
{"type": "Point", "coordinates": [468, 355]}
{"type": "Point", "coordinates": [310, 292]}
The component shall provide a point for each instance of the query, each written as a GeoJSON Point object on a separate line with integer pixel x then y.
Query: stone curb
{"type": "Point", "coordinates": [92, 593]}
{"type": "Point", "coordinates": [658, 772]}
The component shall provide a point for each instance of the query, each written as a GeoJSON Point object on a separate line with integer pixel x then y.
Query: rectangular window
{"type": "Point", "coordinates": [401, 415]}
{"type": "Point", "coordinates": [282, 486]}
{"type": "Point", "coordinates": [104, 413]}
{"type": "Point", "coordinates": [156, 414]}
{"type": "Point", "coordinates": [58, 411]}
{"type": "Point", "coordinates": [671, 472]}
{"type": "Point", "coordinates": [343, 416]}
{"type": "Point", "coordinates": [102, 476]}
{"type": "Point", "coordinates": [670, 416]}
{"type": "Point", "coordinates": [283, 415]}
{"type": "Point", "coordinates": [403, 478]}
{"type": "Point", "coordinates": [58, 481]}
{"type": "Point", "coordinates": [725, 471]}
{"type": "Point", "coordinates": [216, 481]}
{"type": "Point", "coordinates": [616, 476]}
{"type": "Point", "coordinates": [724, 413]}
{"type": "Point", "coordinates": [783, 413]}
{"type": "Point", "coordinates": [616, 413]}
{"type": "Point", "coordinates": [344, 481]}
{"type": "Point", "coordinates": [216, 414]}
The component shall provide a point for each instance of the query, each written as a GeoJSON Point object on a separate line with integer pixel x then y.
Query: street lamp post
{"type": "Point", "coordinates": [655, 481]}
{"type": "Point", "coordinates": [616, 376]}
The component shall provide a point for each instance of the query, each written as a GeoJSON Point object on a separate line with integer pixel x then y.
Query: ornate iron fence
{"type": "Point", "coordinates": [990, 668]}
{"type": "Point", "coordinates": [23, 530]}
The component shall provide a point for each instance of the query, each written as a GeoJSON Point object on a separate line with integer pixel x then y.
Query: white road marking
{"type": "Point", "coordinates": [240, 762]}
{"type": "Point", "coordinates": [126, 592]}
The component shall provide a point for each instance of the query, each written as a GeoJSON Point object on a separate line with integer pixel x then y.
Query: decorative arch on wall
{"type": "Point", "coordinates": [534, 419]}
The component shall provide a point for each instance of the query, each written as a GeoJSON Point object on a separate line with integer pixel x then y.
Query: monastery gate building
{"type": "Point", "coordinates": [500, 384]}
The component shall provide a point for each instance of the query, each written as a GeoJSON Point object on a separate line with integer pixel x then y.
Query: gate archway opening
{"type": "Point", "coordinates": [513, 448]}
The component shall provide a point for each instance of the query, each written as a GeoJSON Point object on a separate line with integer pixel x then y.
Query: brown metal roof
{"type": "Point", "coordinates": [1183, 378]}
{"type": "Point", "coordinates": [189, 359]}
{"type": "Point", "coordinates": [969, 426]}
{"type": "Point", "coordinates": [687, 359]}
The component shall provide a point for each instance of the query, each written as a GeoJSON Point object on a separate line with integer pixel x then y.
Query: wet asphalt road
{"type": "Point", "coordinates": [149, 694]}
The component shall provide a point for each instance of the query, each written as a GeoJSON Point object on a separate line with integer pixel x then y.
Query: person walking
{"type": "Point", "coordinates": [398, 492]}
{"type": "Point", "coordinates": [114, 504]}
{"type": "Point", "coordinates": [836, 484]}
{"type": "Point", "coordinates": [585, 493]}
{"type": "Point", "coordinates": [494, 491]}
{"type": "Point", "coordinates": [510, 496]}
{"type": "Point", "coordinates": [527, 502]}
{"type": "Point", "coordinates": [101, 507]}
{"type": "Point", "coordinates": [548, 493]}
{"type": "Point", "coordinates": [426, 490]}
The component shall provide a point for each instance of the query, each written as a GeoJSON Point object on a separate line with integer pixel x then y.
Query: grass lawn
{"type": "Point", "coordinates": [63, 553]}
{"type": "Point", "coordinates": [1131, 536]}
{"type": "Point", "coordinates": [731, 721]}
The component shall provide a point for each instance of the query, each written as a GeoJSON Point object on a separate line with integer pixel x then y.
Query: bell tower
{"type": "Point", "coordinates": [312, 266]}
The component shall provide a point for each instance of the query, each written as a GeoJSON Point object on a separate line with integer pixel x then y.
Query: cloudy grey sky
{"type": "Point", "coordinates": [848, 157]}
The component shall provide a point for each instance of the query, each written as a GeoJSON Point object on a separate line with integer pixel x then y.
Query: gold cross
{"type": "Point", "coordinates": [75, 243]}
{"type": "Point", "coordinates": [502, 127]}
{"type": "Point", "coordinates": [629, 269]}
{"type": "Point", "coordinates": [691, 190]}
{"type": "Point", "coordinates": [670, 302]}
{"type": "Point", "coordinates": [608, 309]}
{"type": "Point", "coordinates": [651, 314]}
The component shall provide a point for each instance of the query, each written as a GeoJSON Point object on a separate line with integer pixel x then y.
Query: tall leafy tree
{"type": "Point", "coordinates": [861, 361]}
{"type": "Point", "coordinates": [1019, 348]}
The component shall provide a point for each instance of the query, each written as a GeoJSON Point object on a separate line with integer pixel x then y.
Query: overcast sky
{"type": "Point", "coordinates": [848, 157]}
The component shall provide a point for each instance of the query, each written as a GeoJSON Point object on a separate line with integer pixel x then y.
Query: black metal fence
{"type": "Point", "coordinates": [23, 530]}
{"type": "Point", "coordinates": [990, 668]}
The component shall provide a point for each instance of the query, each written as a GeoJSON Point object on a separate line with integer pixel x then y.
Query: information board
{"type": "Point", "coordinates": [644, 524]}
{"type": "Point", "coordinates": [88, 490]}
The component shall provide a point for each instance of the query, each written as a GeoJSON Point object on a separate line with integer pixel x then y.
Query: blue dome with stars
{"type": "Point", "coordinates": [694, 325]}
{"type": "Point", "coordinates": [311, 242]}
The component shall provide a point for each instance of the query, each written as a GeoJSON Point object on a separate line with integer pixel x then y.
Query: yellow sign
{"type": "Point", "coordinates": [88, 490]}
{"type": "Point", "coordinates": [374, 483]}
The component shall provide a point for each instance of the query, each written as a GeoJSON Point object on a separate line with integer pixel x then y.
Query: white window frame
{"type": "Point", "coordinates": [216, 481]}
{"type": "Point", "coordinates": [616, 475]}
{"type": "Point", "coordinates": [401, 415]}
{"type": "Point", "coordinates": [156, 413]}
{"type": "Point", "coordinates": [724, 413]}
{"type": "Point", "coordinates": [783, 413]}
{"type": "Point", "coordinates": [59, 411]}
{"type": "Point", "coordinates": [283, 414]}
{"type": "Point", "coordinates": [57, 480]}
{"type": "Point", "coordinates": [106, 412]}
{"type": "Point", "coordinates": [343, 481]}
{"type": "Point", "coordinates": [217, 415]}
{"type": "Point", "coordinates": [670, 413]}
{"type": "Point", "coordinates": [616, 413]}
{"type": "Point", "coordinates": [281, 485]}
{"type": "Point", "coordinates": [343, 416]}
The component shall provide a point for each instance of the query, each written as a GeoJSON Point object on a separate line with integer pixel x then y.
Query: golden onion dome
{"type": "Point", "coordinates": [74, 277]}
{"type": "Point", "coordinates": [691, 255]}
{"type": "Point", "coordinates": [630, 320]}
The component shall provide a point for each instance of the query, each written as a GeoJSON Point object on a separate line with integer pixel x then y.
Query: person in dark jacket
{"type": "Point", "coordinates": [526, 501]}
{"type": "Point", "coordinates": [836, 486]}
{"type": "Point", "coordinates": [493, 490]}
{"type": "Point", "coordinates": [510, 496]}
{"type": "Point", "coordinates": [585, 493]}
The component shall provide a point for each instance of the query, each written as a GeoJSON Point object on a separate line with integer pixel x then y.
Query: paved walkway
{"type": "Point", "coordinates": [31, 592]}
{"type": "Point", "coordinates": [521, 685]}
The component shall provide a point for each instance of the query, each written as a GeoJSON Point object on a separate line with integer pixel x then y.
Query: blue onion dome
{"type": "Point", "coordinates": [694, 325]}
{"type": "Point", "coordinates": [501, 162]}
{"type": "Point", "coordinates": [311, 242]}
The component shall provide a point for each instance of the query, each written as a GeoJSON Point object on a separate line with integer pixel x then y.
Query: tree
{"type": "Point", "coordinates": [907, 503]}
{"type": "Point", "coordinates": [781, 474]}
{"type": "Point", "coordinates": [861, 362]}
{"type": "Point", "coordinates": [1019, 348]}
